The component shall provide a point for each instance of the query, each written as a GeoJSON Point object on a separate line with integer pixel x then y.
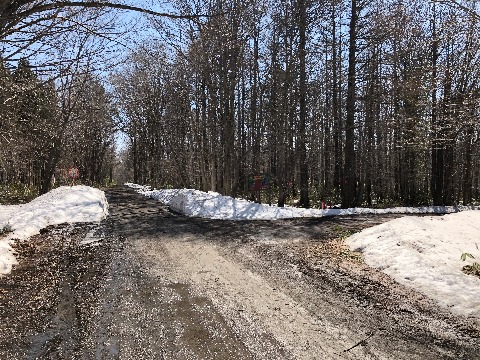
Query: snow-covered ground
{"type": "Point", "coordinates": [424, 253]}
{"type": "Point", "coordinates": [62, 205]}
{"type": "Point", "coordinates": [420, 252]}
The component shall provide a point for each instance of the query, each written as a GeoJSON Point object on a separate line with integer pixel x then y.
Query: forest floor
{"type": "Point", "coordinates": [150, 284]}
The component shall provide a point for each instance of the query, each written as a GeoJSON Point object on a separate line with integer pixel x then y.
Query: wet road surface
{"type": "Point", "coordinates": [151, 284]}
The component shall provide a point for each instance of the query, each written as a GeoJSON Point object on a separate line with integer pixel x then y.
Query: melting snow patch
{"type": "Point", "coordinates": [215, 206]}
{"type": "Point", "coordinates": [424, 253]}
{"type": "Point", "coordinates": [62, 205]}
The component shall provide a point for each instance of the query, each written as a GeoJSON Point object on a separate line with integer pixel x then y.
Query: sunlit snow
{"type": "Point", "coordinates": [424, 253]}
{"type": "Point", "coordinates": [420, 252]}
{"type": "Point", "coordinates": [215, 206]}
{"type": "Point", "coordinates": [62, 205]}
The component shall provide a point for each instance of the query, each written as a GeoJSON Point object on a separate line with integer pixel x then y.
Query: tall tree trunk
{"type": "Point", "coordinates": [335, 102]}
{"type": "Point", "coordinates": [467, 170]}
{"type": "Point", "coordinates": [286, 118]}
{"type": "Point", "coordinates": [253, 108]}
{"type": "Point", "coordinates": [448, 139]}
{"type": "Point", "coordinates": [135, 159]}
{"type": "Point", "coordinates": [370, 113]}
{"type": "Point", "coordinates": [436, 183]}
{"type": "Point", "coordinates": [349, 190]}
{"type": "Point", "coordinates": [304, 199]}
{"type": "Point", "coordinates": [48, 168]}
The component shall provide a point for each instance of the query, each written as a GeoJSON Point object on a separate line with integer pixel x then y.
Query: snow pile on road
{"type": "Point", "coordinates": [62, 205]}
{"type": "Point", "coordinates": [424, 253]}
{"type": "Point", "coordinates": [215, 206]}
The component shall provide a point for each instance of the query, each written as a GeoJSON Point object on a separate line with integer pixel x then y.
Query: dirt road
{"type": "Point", "coordinates": [151, 284]}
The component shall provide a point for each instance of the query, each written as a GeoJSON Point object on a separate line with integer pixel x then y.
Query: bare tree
{"type": "Point", "coordinates": [349, 194]}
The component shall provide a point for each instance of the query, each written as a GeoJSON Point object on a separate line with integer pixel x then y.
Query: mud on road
{"type": "Point", "coordinates": [150, 284]}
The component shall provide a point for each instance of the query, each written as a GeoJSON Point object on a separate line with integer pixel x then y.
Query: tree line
{"type": "Point", "coordinates": [55, 112]}
{"type": "Point", "coordinates": [47, 128]}
{"type": "Point", "coordinates": [352, 102]}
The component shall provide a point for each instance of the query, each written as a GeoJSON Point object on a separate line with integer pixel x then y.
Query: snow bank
{"type": "Point", "coordinates": [215, 206]}
{"type": "Point", "coordinates": [420, 252]}
{"type": "Point", "coordinates": [62, 205]}
{"type": "Point", "coordinates": [424, 253]}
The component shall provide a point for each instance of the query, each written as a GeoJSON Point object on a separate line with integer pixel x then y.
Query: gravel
{"type": "Point", "coordinates": [150, 284]}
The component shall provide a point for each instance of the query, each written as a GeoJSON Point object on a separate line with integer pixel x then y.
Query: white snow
{"type": "Point", "coordinates": [420, 252]}
{"type": "Point", "coordinates": [215, 206]}
{"type": "Point", "coordinates": [424, 253]}
{"type": "Point", "coordinates": [62, 205]}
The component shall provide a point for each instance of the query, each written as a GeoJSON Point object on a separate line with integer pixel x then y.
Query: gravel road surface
{"type": "Point", "coordinates": [150, 284]}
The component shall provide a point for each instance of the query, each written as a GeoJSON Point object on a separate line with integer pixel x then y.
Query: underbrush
{"type": "Point", "coordinates": [11, 194]}
{"type": "Point", "coordinates": [473, 269]}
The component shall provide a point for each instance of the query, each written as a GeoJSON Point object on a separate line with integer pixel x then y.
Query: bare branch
{"type": "Point", "coordinates": [101, 5]}
{"type": "Point", "coordinates": [454, 3]}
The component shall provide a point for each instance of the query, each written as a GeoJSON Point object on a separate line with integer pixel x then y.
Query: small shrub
{"type": "Point", "coordinates": [6, 229]}
{"type": "Point", "coordinates": [473, 269]}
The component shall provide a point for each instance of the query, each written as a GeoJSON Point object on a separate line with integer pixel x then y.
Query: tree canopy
{"type": "Point", "coordinates": [347, 102]}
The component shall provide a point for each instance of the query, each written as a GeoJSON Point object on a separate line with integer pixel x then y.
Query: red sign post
{"type": "Point", "coordinates": [73, 174]}
{"type": "Point", "coordinates": [256, 184]}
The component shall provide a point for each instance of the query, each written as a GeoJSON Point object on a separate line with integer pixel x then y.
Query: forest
{"type": "Point", "coordinates": [350, 102]}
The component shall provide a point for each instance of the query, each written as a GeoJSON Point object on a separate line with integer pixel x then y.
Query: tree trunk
{"type": "Point", "coordinates": [437, 151]}
{"type": "Point", "coordinates": [304, 199]}
{"type": "Point", "coordinates": [349, 190]}
{"type": "Point", "coordinates": [467, 170]}
{"type": "Point", "coordinates": [335, 110]}
{"type": "Point", "coordinates": [48, 168]}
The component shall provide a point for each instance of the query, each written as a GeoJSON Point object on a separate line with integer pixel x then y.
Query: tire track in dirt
{"type": "Point", "coordinates": [255, 305]}
{"type": "Point", "coordinates": [249, 298]}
